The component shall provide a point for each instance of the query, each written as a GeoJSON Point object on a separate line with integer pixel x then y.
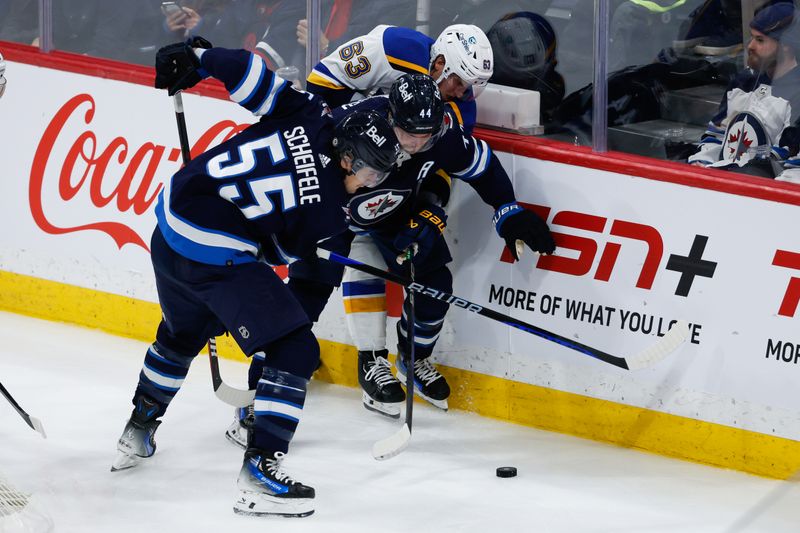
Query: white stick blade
{"type": "Point", "coordinates": [235, 397]}
{"type": "Point", "coordinates": [667, 344]}
{"type": "Point", "coordinates": [37, 425]}
{"type": "Point", "coordinates": [392, 445]}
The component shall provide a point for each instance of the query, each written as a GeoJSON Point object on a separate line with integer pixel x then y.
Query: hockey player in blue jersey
{"type": "Point", "coordinates": [460, 60]}
{"type": "Point", "coordinates": [406, 210]}
{"type": "Point", "coordinates": [264, 197]}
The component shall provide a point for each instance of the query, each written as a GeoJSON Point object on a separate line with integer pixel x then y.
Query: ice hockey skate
{"type": "Point", "coordinates": [137, 441]}
{"type": "Point", "coordinates": [242, 425]}
{"type": "Point", "coordinates": [430, 384]}
{"type": "Point", "coordinates": [381, 391]}
{"type": "Point", "coordinates": [266, 490]}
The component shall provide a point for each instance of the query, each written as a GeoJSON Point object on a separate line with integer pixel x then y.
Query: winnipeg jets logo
{"type": "Point", "coordinates": [380, 205]}
{"type": "Point", "coordinates": [744, 138]}
{"type": "Point", "coordinates": [324, 160]}
{"type": "Point", "coordinates": [373, 206]}
{"type": "Point", "coordinates": [738, 143]}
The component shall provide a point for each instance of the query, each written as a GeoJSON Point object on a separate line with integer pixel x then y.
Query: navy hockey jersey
{"type": "Point", "coordinates": [269, 192]}
{"type": "Point", "coordinates": [455, 154]}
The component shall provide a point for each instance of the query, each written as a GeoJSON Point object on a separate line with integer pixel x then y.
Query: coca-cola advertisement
{"type": "Point", "coordinates": [83, 166]}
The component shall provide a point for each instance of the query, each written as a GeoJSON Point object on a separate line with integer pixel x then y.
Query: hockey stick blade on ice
{"type": "Point", "coordinates": [396, 443]}
{"type": "Point", "coordinates": [226, 393]}
{"type": "Point", "coordinates": [392, 445]}
{"type": "Point", "coordinates": [647, 357]}
{"type": "Point", "coordinates": [32, 421]}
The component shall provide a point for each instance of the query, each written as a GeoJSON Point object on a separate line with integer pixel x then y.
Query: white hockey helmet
{"type": "Point", "coordinates": [2, 79]}
{"type": "Point", "coordinates": [467, 54]}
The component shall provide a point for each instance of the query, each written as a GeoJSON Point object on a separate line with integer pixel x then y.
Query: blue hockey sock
{"type": "Point", "coordinates": [162, 375]}
{"type": "Point", "coordinates": [280, 397]}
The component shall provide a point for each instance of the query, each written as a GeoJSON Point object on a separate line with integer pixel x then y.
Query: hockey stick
{"type": "Point", "coordinates": [226, 393]}
{"type": "Point", "coordinates": [33, 422]}
{"type": "Point", "coordinates": [229, 395]}
{"type": "Point", "coordinates": [396, 443]}
{"type": "Point", "coordinates": [647, 357]}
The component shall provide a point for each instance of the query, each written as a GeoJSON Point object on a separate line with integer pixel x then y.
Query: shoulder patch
{"type": "Point", "coordinates": [373, 206]}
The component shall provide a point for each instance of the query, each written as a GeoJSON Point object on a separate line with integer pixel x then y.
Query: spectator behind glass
{"type": "Point", "coordinates": [524, 46]}
{"type": "Point", "coordinates": [755, 130]}
{"type": "Point", "coordinates": [126, 31]}
{"type": "Point", "coordinates": [226, 23]}
{"type": "Point", "coordinates": [284, 43]}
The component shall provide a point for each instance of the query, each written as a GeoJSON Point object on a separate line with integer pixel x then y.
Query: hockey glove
{"type": "Point", "coordinates": [177, 66]}
{"type": "Point", "coordinates": [513, 223]}
{"type": "Point", "coordinates": [422, 231]}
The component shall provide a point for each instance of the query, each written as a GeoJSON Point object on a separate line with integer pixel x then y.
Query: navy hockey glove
{"type": "Point", "coordinates": [177, 66]}
{"type": "Point", "coordinates": [513, 223]}
{"type": "Point", "coordinates": [422, 230]}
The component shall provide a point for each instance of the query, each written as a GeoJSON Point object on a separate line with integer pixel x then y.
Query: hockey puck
{"type": "Point", "coordinates": [506, 471]}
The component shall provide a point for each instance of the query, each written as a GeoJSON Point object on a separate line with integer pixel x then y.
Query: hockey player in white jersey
{"type": "Point", "coordinates": [460, 60]}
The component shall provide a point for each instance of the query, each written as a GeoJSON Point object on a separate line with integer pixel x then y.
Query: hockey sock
{"type": "Point", "coordinates": [162, 374]}
{"type": "Point", "coordinates": [365, 308]}
{"type": "Point", "coordinates": [280, 397]}
{"type": "Point", "coordinates": [426, 333]}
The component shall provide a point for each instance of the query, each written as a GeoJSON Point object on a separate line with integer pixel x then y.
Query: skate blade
{"type": "Point", "coordinates": [235, 435]}
{"type": "Point", "coordinates": [236, 439]}
{"type": "Point", "coordinates": [259, 504]}
{"type": "Point", "coordinates": [391, 410]}
{"type": "Point", "coordinates": [440, 404]}
{"type": "Point", "coordinates": [124, 462]}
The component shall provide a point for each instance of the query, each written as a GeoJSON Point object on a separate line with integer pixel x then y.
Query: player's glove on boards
{"type": "Point", "coordinates": [177, 66]}
{"type": "Point", "coordinates": [514, 223]}
{"type": "Point", "coordinates": [424, 228]}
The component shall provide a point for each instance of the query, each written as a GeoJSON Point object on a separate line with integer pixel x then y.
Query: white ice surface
{"type": "Point", "coordinates": [79, 383]}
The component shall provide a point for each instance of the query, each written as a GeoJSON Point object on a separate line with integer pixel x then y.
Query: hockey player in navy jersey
{"type": "Point", "coordinates": [408, 209]}
{"type": "Point", "coordinates": [264, 197]}
{"type": "Point", "coordinates": [405, 210]}
{"type": "Point", "coordinates": [460, 60]}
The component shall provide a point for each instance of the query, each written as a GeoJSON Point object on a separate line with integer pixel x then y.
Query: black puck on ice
{"type": "Point", "coordinates": [506, 471]}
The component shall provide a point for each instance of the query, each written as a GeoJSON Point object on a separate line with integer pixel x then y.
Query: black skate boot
{"type": "Point", "coordinates": [430, 384]}
{"type": "Point", "coordinates": [242, 425]}
{"type": "Point", "coordinates": [381, 392]}
{"type": "Point", "coordinates": [137, 441]}
{"type": "Point", "coordinates": [266, 490]}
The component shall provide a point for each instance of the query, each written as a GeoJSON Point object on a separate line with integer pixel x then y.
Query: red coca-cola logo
{"type": "Point", "coordinates": [87, 165]}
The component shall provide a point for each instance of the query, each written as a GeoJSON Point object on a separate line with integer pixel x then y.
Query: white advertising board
{"type": "Point", "coordinates": [633, 256]}
{"type": "Point", "coordinates": [82, 165]}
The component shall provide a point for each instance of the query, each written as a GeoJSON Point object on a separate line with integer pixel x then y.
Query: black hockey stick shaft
{"type": "Point", "coordinates": [180, 118]}
{"type": "Point", "coordinates": [31, 421]}
{"type": "Point", "coordinates": [410, 376]}
{"type": "Point", "coordinates": [475, 308]}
